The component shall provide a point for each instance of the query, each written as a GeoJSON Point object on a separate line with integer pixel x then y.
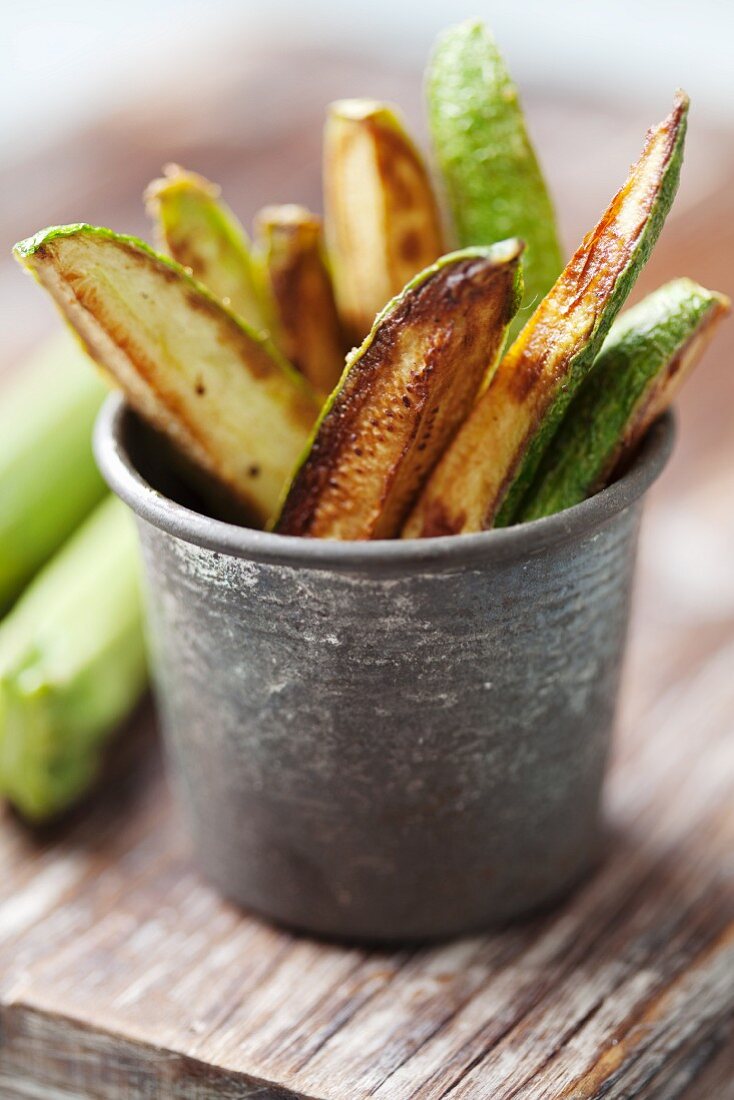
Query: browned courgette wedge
{"type": "Point", "coordinates": [204, 236]}
{"type": "Point", "coordinates": [484, 474]}
{"type": "Point", "coordinates": [382, 219]}
{"type": "Point", "coordinates": [191, 368]}
{"type": "Point", "coordinates": [403, 394]}
{"type": "Point", "coordinates": [649, 352]}
{"type": "Point", "coordinates": [289, 249]}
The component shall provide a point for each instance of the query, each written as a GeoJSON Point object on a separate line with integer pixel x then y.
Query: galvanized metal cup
{"type": "Point", "coordinates": [388, 740]}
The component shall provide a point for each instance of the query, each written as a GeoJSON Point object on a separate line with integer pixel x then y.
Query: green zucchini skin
{"type": "Point", "coordinates": [48, 479]}
{"type": "Point", "coordinates": [649, 351]}
{"type": "Point", "coordinates": [72, 665]}
{"type": "Point", "coordinates": [491, 178]}
{"type": "Point", "coordinates": [581, 362]}
{"type": "Point", "coordinates": [483, 476]}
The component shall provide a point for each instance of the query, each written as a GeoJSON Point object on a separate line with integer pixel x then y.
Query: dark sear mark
{"type": "Point", "coordinates": [402, 400]}
{"type": "Point", "coordinates": [438, 521]}
{"type": "Point", "coordinates": [490, 465]}
{"type": "Point", "coordinates": [167, 385]}
{"type": "Point", "coordinates": [410, 246]}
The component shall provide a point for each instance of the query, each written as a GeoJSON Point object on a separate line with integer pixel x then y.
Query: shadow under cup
{"type": "Point", "coordinates": [388, 740]}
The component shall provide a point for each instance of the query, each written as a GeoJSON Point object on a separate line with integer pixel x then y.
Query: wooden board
{"type": "Point", "coordinates": [123, 975]}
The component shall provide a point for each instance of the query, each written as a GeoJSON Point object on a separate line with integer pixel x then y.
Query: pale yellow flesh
{"type": "Point", "coordinates": [382, 219]}
{"type": "Point", "coordinates": [202, 234]}
{"type": "Point", "coordinates": [184, 363]}
{"type": "Point", "coordinates": [289, 248]}
{"type": "Point", "coordinates": [468, 485]}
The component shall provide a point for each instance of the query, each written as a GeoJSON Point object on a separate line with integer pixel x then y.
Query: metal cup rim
{"type": "Point", "coordinates": [380, 556]}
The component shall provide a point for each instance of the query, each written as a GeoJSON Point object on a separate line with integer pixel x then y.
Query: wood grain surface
{"type": "Point", "coordinates": [123, 975]}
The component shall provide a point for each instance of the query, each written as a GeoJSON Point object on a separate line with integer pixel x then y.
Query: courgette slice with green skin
{"type": "Point", "coordinates": [382, 220]}
{"type": "Point", "coordinates": [491, 177]}
{"type": "Point", "coordinates": [485, 473]}
{"type": "Point", "coordinates": [649, 352]}
{"type": "Point", "coordinates": [72, 664]}
{"type": "Point", "coordinates": [48, 479]}
{"type": "Point", "coordinates": [202, 234]}
{"type": "Point", "coordinates": [289, 249]}
{"type": "Point", "coordinates": [403, 395]}
{"type": "Point", "coordinates": [190, 367]}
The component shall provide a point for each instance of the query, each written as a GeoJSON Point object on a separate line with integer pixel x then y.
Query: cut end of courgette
{"type": "Point", "coordinates": [202, 234]}
{"type": "Point", "coordinates": [382, 219]}
{"type": "Point", "coordinates": [290, 253]}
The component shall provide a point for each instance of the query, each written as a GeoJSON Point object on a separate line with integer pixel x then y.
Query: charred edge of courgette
{"type": "Point", "coordinates": [612, 290]}
{"type": "Point", "coordinates": [426, 301]}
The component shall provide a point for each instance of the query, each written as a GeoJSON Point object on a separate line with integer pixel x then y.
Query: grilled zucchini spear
{"type": "Point", "coordinates": [403, 395]}
{"type": "Point", "coordinates": [382, 220]}
{"type": "Point", "coordinates": [48, 479]}
{"type": "Point", "coordinates": [648, 354]}
{"type": "Point", "coordinates": [72, 664]}
{"type": "Point", "coordinates": [289, 248]}
{"type": "Point", "coordinates": [485, 473]}
{"type": "Point", "coordinates": [491, 176]}
{"type": "Point", "coordinates": [188, 365]}
{"type": "Point", "coordinates": [203, 235]}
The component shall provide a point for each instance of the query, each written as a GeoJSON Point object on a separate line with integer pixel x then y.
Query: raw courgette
{"type": "Point", "coordinates": [72, 664]}
{"type": "Point", "coordinates": [48, 479]}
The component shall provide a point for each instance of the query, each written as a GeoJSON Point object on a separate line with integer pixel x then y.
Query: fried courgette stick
{"type": "Point", "coordinates": [203, 235]}
{"type": "Point", "coordinates": [403, 395]}
{"type": "Point", "coordinates": [490, 174]}
{"type": "Point", "coordinates": [216, 388]}
{"type": "Point", "coordinates": [289, 250]}
{"type": "Point", "coordinates": [485, 473]}
{"type": "Point", "coordinates": [648, 354]}
{"type": "Point", "coordinates": [382, 219]}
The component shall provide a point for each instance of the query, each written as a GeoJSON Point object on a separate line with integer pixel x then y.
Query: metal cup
{"type": "Point", "coordinates": [389, 740]}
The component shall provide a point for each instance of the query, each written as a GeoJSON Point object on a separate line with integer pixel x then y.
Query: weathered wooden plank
{"type": "Point", "coordinates": [51, 1058]}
